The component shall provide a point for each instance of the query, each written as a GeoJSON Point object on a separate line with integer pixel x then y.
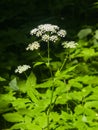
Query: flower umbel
{"type": "Point", "coordinates": [33, 46]}
{"type": "Point", "coordinates": [70, 44]}
{"type": "Point", "coordinates": [45, 37]}
{"type": "Point", "coordinates": [62, 33]}
{"type": "Point", "coordinates": [33, 31]}
{"type": "Point", "coordinates": [22, 68]}
{"type": "Point", "coordinates": [48, 28]}
{"type": "Point", "coordinates": [53, 38]}
{"type": "Point", "coordinates": [48, 32]}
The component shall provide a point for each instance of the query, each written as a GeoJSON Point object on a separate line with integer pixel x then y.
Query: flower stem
{"type": "Point", "coordinates": [66, 58]}
{"type": "Point", "coordinates": [63, 64]}
{"type": "Point", "coordinates": [40, 56]}
{"type": "Point", "coordinates": [25, 75]}
{"type": "Point", "coordinates": [48, 54]}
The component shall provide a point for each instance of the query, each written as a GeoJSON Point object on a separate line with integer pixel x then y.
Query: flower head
{"type": "Point", "coordinates": [70, 44]}
{"type": "Point", "coordinates": [45, 37]}
{"type": "Point", "coordinates": [62, 33]}
{"type": "Point", "coordinates": [48, 28]}
{"type": "Point", "coordinates": [22, 68]}
{"type": "Point", "coordinates": [33, 31]}
{"type": "Point", "coordinates": [39, 33]}
{"type": "Point", "coordinates": [53, 38]}
{"type": "Point", "coordinates": [33, 46]}
{"type": "Point", "coordinates": [48, 32]}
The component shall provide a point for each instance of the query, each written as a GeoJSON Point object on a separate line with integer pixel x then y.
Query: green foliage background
{"type": "Point", "coordinates": [74, 106]}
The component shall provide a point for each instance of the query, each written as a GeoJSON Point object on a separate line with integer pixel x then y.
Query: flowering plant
{"type": "Point", "coordinates": [47, 33]}
{"type": "Point", "coordinates": [61, 92]}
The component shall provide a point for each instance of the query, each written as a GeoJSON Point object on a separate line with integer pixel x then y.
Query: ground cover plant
{"type": "Point", "coordinates": [58, 90]}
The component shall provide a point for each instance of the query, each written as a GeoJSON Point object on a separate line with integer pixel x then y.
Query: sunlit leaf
{"type": "Point", "coordinates": [13, 117]}
{"type": "Point", "coordinates": [13, 84]}
{"type": "Point", "coordinates": [84, 32]}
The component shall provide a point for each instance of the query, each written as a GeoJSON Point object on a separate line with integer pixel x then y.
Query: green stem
{"type": "Point", "coordinates": [50, 105]}
{"type": "Point", "coordinates": [50, 108]}
{"type": "Point", "coordinates": [25, 75]}
{"type": "Point", "coordinates": [63, 64]}
{"type": "Point", "coordinates": [41, 56]}
{"type": "Point", "coordinates": [64, 61]}
{"type": "Point", "coordinates": [48, 54]}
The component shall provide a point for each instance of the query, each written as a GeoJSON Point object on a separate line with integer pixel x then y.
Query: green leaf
{"type": "Point", "coordinates": [57, 73]}
{"type": "Point", "coordinates": [96, 34]}
{"type": "Point", "coordinates": [22, 86]}
{"type": "Point", "coordinates": [65, 73]}
{"type": "Point", "coordinates": [13, 117]}
{"type": "Point", "coordinates": [18, 126]}
{"type": "Point", "coordinates": [74, 83]}
{"type": "Point", "coordinates": [46, 84]}
{"type": "Point", "coordinates": [38, 63]}
{"type": "Point", "coordinates": [62, 99]}
{"type": "Point", "coordinates": [41, 120]}
{"type": "Point", "coordinates": [79, 109]}
{"type": "Point", "coordinates": [31, 80]}
{"type": "Point", "coordinates": [20, 103]}
{"type": "Point", "coordinates": [91, 104]}
{"type": "Point", "coordinates": [88, 79]}
{"type": "Point", "coordinates": [55, 65]}
{"type": "Point", "coordinates": [31, 91]}
{"type": "Point", "coordinates": [76, 95]}
{"type": "Point", "coordinates": [13, 84]}
{"type": "Point", "coordinates": [84, 118]}
{"type": "Point", "coordinates": [87, 53]}
{"type": "Point", "coordinates": [84, 32]}
{"type": "Point", "coordinates": [2, 79]}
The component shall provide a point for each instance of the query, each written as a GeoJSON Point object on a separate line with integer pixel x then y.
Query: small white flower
{"type": "Point", "coordinates": [39, 33]}
{"type": "Point", "coordinates": [53, 38]}
{"type": "Point", "coordinates": [47, 32]}
{"type": "Point", "coordinates": [45, 37]}
{"type": "Point", "coordinates": [33, 31]}
{"type": "Point", "coordinates": [70, 44]}
{"type": "Point", "coordinates": [22, 68]}
{"type": "Point", "coordinates": [33, 46]}
{"type": "Point", "coordinates": [62, 33]}
{"type": "Point", "coordinates": [48, 28]}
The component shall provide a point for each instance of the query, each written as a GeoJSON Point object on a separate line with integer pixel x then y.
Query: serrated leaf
{"type": "Point", "coordinates": [31, 91]}
{"type": "Point", "coordinates": [20, 103]}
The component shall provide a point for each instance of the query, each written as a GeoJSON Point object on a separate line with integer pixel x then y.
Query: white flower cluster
{"type": "Point", "coordinates": [48, 28]}
{"type": "Point", "coordinates": [53, 38]}
{"type": "Point", "coordinates": [45, 37]}
{"type": "Point", "coordinates": [62, 33]}
{"type": "Point", "coordinates": [70, 44]}
{"type": "Point", "coordinates": [33, 46]}
{"type": "Point", "coordinates": [48, 32]}
{"type": "Point", "coordinates": [22, 68]}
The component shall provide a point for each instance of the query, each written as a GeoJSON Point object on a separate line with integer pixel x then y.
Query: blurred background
{"type": "Point", "coordinates": [18, 17]}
